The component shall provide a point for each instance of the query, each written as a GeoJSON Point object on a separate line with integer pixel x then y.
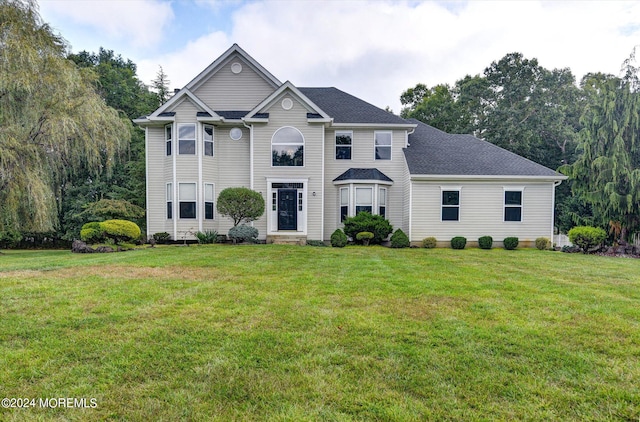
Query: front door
{"type": "Point", "coordinates": [287, 209]}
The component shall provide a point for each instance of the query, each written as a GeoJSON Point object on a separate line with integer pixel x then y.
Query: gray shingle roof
{"type": "Point", "coordinates": [345, 108]}
{"type": "Point", "coordinates": [363, 174]}
{"type": "Point", "coordinates": [432, 151]}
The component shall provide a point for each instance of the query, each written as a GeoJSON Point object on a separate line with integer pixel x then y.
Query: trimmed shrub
{"type": "Point", "coordinates": [543, 243]}
{"type": "Point", "coordinates": [399, 239]}
{"type": "Point", "coordinates": [207, 237]}
{"type": "Point", "coordinates": [242, 205]}
{"type": "Point", "coordinates": [458, 242]}
{"type": "Point", "coordinates": [510, 243]}
{"type": "Point", "coordinates": [162, 237]}
{"type": "Point", "coordinates": [366, 222]}
{"type": "Point", "coordinates": [587, 237]}
{"type": "Point", "coordinates": [243, 233]}
{"type": "Point", "coordinates": [120, 230]}
{"type": "Point", "coordinates": [364, 237]}
{"type": "Point", "coordinates": [315, 243]}
{"type": "Point", "coordinates": [339, 239]}
{"type": "Point", "coordinates": [429, 242]}
{"type": "Point", "coordinates": [485, 242]}
{"type": "Point", "coordinates": [92, 232]}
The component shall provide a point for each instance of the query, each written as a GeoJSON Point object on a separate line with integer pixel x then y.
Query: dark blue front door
{"type": "Point", "coordinates": [287, 210]}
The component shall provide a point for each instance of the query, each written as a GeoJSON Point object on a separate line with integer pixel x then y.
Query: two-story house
{"type": "Point", "coordinates": [318, 155]}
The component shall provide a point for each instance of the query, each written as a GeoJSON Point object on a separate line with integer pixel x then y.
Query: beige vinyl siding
{"type": "Point", "coordinates": [406, 199]}
{"type": "Point", "coordinates": [312, 169]}
{"type": "Point", "coordinates": [362, 156]}
{"type": "Point", "coordinates": [481, 211]}
{"type": "Point", "coordinates": [156, 179]}
{"type": "Point", "coordinates": [226, 90]}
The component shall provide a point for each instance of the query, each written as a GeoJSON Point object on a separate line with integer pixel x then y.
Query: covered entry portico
{"type": "Point", "coordinates": [287, 208]}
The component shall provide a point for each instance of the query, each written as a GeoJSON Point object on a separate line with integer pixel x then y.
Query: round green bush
{"type": "Point", "coordinates": [485, 242]}
{"type": "Point", "coordinates": [429, 242]}
{"type": "Point", "coordinates": [458, 242]}
{"type": "Point", "coordinates": [243, 233]}
{"type": "Point", "coordinates": [587, 237]}
{"type": "Point", "coordinates": [366, 222]}
{"type": "Point", "coordinates": [92, 232]}
{"type": "Point", "coordinates": [364, 237]}
{"type": "Point", "coordinates": [120, 230]}
{"type": "Point", "coordinates": [543, 243]}
{"type": "Point", "coordinates": [399, 239]}
{"type": "Point", "coordinates": [510, 243]}
{"type": "Point", "coordinates": [162, 237]}
{"type": "Point", "coordinates": [339, 239]}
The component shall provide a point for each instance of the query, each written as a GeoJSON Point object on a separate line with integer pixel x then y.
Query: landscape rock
{"type": "Point", "coordinates": [79, 246]}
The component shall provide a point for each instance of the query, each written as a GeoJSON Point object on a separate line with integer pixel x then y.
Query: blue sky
{"type": "Point", "coordinates": [371, 49]}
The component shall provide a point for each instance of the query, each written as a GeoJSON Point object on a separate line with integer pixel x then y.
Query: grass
{"type": "Point", "coordinates": [266, 332]}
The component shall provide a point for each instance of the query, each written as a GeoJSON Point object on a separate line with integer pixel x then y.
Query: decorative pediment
{"type": "Point", "coordinates": [314, 113]}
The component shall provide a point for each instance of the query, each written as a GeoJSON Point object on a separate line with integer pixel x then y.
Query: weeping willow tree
{"type": "Point", "coordinates": [53, 124]}
{"type": "Point", "coordinates": [607, 172]}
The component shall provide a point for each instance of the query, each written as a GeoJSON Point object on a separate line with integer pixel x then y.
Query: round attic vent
{"type": "Point", "coordinates": [236, 68]}
{"type": "Point", "coordinates": [287, 104]}
{"type": "Point", "coordinates": [235, 133]}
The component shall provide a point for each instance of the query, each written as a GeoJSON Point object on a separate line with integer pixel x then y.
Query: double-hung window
{"type": "Point", "coordinates": [382, 202]}
{"type": "Point", "coordinates": [169, 201]}
{"type": "Point", "coordinates": [208, 201]}
{"type": "Point", "coordinates": [187, 139]}
{"type": "Point", "coordinates": [450, 205]}
{"type": "Point", "coordinates": [382, 141]}
{"type": "Point", "coordinates": [207, 137]}
{"type": "Point", "coordinates": [343, 145]}
{"type": "Point", "coordinates": [364, 200]}
{"type": "Point", "coordinates": [168, 130]}
{"type": "Point", "coordinates": [512, 205]}
{"type": "Point", "coordinates": [344, 203]}
{"type": "Point", "coordinates": [187, 199]}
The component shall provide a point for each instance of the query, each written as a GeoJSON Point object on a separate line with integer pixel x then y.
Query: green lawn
{"type": "Point", "coordinates": [266, 332]}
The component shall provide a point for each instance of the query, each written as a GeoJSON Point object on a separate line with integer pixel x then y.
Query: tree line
{"type": "Point", "coordinates": [588, 131]}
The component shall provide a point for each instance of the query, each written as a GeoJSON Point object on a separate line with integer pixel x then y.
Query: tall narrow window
{"type": "Point", "coordinates": [168, 130]}
{"type": "Point", "coordinates": [382, 202]}
{"type": "Point", "coordinates": [208, 201]}
{"type": "Point", "coordinates": [512, 205]}
{"type": "Point", "coordinates": [187, 199]}
{"type": "Point", "coordinates": [169, 201]}
{"type": "Point", "coordinates": [287, 147]}
{"type": "Point", "coordinates": [343, 145]}
{"type": "Point", "coordinates": [187, 139]}
{"type": "Point", "coordinates": [208, 140]}
{"type": "Point", "coordinates": [364, 200]}
{"type": "Point", "coordinates": [450, 205]}
{"type": "Point", "coordinates": [382, 142]}
{"type": "Point", "coordinates": [344, 203]}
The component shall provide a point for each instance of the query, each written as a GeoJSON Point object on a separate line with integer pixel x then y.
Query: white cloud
{"type": "Point", "coordinates": [138, 22]}
{"type": "Point", "coordinates": [375, 49]}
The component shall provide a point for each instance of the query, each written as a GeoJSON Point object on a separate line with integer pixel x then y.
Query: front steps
{"type": "Point", "coordinates": [293, 239]}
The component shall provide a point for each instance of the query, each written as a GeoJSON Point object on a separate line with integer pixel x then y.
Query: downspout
{"type": "Point", "coordinates": [200, 152]}
{"type": "Point", "coordinates": [146, 175]}
{"type": "Point", "coordinates": [175, 182]}
{"type": "Point", "coordinates": [250, 153]}
{"type": "Point", "coordinates": [322, 192]}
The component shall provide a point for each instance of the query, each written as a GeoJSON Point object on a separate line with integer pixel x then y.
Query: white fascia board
{"type": "Point", "coordinates": [434, 177]}
{"type": "Point", "coordinates": [374, 126]}
{"type": "Point", "coordinates": [362, 182]}
{"type": "Point", "coordinates": [159, 121]}
{"type": "Point", "coordinates": [220, 61]}
{"type": "Point", "coordinates": [178, 98]}
{"type": "Point", "coordinates": [287, 86]}
{"type": "Point", "coordinates": [256, 120]}
{"type": "Point", "coordinates": [323, 120]}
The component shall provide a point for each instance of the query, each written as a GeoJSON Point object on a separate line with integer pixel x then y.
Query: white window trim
{"type": "Point", "coordinates": [272, 221]}
{"type": "Point", "coordinates": [386, 200]}
{"type": "Point", "coordinates": [390, 146]}
{"type": "Point", "coordinates": [304, 142]}
{"type": "Point", "coordinates": [459, 206]}
{"type": "Point", "coordinates": [375, 206]}
{"type": "Point", "coordinates": [335, 143]}
{"type": "Point", "coordinates": [204, 201]}
{"type": "Point", "coordinates": [180, 201]}
{"type": "Point", "coordinates": [169, 189]}
{"type": "Point", "coordinates": [340, 204]}
{"type": "Point", "coordinates": [195, 139]}
{"type": "Point", "coordinates": [213, 141]}
{"type": "Point", "coordinates": [504, 203]}
{"type": "Point", "coordinates": [170, 127]}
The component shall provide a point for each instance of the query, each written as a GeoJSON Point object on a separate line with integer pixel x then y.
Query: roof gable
{"type": "Point", "coordinates": [313, 111]}
{"type": "Point", "coordinates": [183, 94]}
